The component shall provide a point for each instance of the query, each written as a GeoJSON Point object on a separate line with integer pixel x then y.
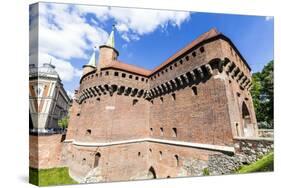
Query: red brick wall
{"type": "Point", "coordinates": [45, 151]}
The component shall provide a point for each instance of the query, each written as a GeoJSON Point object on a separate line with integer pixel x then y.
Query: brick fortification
{"type": "Point", "coordinates": [127, 122]}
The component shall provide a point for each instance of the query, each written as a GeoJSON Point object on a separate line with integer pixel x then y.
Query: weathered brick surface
{"type": "Point", "coordinates": [45, 151]}
{"type": "Point", "coordinates": [210, 109]}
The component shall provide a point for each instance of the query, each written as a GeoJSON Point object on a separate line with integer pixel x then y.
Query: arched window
{"type": "Point", "coordinates": [151, 130]}
{"type": "Point", "coordinates": [151, 173]}
{"type": "Point", "coordinates": [139, 154]}
{"type": "Point", "coordinates": [202, 49]}
{"type": "Point", "coordinates": [194, 90]}
{"type": "Point", "coordinates": [97, 158]}
{"type": "Point", "coordinates": [176, 160]}
{"type": "Point", "coordinates": [160, 155]}
{"type": "Point", "coordinates": [175, 132]}
{"type": "Point", "coordinates": [161, 131]}
{"type": "Point", "coordinates": [135, 101]}
{"type": "Point", "coordinates": [88, 132]}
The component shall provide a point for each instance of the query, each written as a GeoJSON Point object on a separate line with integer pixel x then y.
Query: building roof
{"type": "Point", "coordinates": [128, 67]}
{"type": "Point", "coordinates": [212, 33]}
{"type": "Point", "coordinates": [205, 36]}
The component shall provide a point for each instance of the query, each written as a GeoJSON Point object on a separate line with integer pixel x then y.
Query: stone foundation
{"type": "Point", "coordinates": [247, 151]}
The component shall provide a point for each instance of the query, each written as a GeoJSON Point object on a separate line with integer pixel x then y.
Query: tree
{"type": "Point", "coordinates": [262, 93]}
{"type": "Point", "coordinates": [63, 123]}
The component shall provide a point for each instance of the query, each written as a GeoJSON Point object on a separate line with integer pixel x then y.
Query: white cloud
{"type": "Point", "coordinates": [65, 33]}
{"type": "Point", "coordinates": [267, 18]}
{"type": "Point", "coordinates": [133, 23]}
{"type": "Point", "coordinates": [64, 68]}
{"type": "Point", "coordinates": [72, 31]}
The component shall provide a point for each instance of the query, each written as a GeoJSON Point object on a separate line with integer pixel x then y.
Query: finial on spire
{"type": "Point", "coordinates": [110, 41]}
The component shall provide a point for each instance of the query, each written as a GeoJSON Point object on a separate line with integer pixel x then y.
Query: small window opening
{"type": "Point", "coordinates": [137, 78]}
{"type": "Point", "coordinates": [174, 96]}
{"type": "Point", "coordinates": [181, 61]}
{"type": "Point", "coordinates": [116, 73]}
{"type": "Point", "coordinates": [187, 58]}
{"type": "Point", "coordinates": [98, 99]}
{"type": "Point", "coordinates": [194, 54]}
{"type": "Point", "coordinates": [175, 132]}
{"type": "Point", "coordinates": [88, 132]}
{"type": "Point", "coordinates": [194, 90]}
{"type": "Point", "coordinates": [202, 49]}
{"type": "Point", "coordinates": [150, 150]}
{"type": "Point", "coordinates": [78, 114]}
{"type": "Point", "coordinates": [161, 99]}
{"type": "Point", "coordinates": [160, 155]}
{"type": "Point", "coordinates": [135, 101]}
{"type": "Point", "coordinates": [142, 79]}
{"type": "Point", "coordinates": [139, 154]}
{"type": "Point", "coordinates": [177, 160]}
{"type": "Point", "coordinates": [106, 73]}
{"type": "Point", "coordinates": [123, 75]}
{"type": "Point", "coordinates": [161, 131]}
{"type": "Point", "coordinates": [130, 76]}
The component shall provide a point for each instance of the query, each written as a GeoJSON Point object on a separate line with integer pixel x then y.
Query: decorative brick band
{"type": "Point", "coordinates": [162, 141]}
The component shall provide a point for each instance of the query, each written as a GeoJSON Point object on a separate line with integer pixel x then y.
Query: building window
{"type": "Point", "coordinates": [97, 159]}
{"type": "Point", "coordinates": [116, 73]}
{"type": "Point", "coordinates": [139, 154]}
{"type": "Point", "coordinates": [142, 79]}
{"type": "Point", "coordinates": [161, 131]}
{"type": "Point", "coordinates": [176, 160]}
{"type": "Point", "coordinates": [194, 54]}
{"type": "Point", "coordinates": [176, 64]}
{"type": "Point", "coordinates": [174, 96]}
{"type": "Point", "coordinates": [237, 129]}
{"type": "Point", "coordinates": [175, 134]}
{"type": "Point", "coordinates": [83, 161]}
{"type": "Point", "coordinates": [238, 94]}
{"type": "Point", "coordinates": [135, 102]}
{"type": "Point", "coordinates": [137, 78]}
{"type": "Point", "coordinates": [181, 61]}
{"type": "Point", "coordinates": [194, 90]}
{"type": "Point", "coordinates": [78, 114]}
{"type": "Point", "coordinates": [171, 67]}
{"type": "Point", "coordinates": [166, 70]}
{"type": "Point", "coordinates": [202, 49]}
{"type": "Point", "coordinates": [162, 72]}
{"type": "Point", "coordinates": [106, 73]}
{"type": "Point", "coordinates": [187, 58]}
{"type": "Point", "coordinates": [98, 99]}
{"type": "Point", "coordinates": [146, 80]}
{"type": "Point", "coordinates": [151, 131]}
{"type": "Point", "coordinates": [160, 155]}
{"type": "Point", "coordinates": [123, 75]}
{"type": "Point", "coordinates": [161, 99]}
{"type": "Point", "coordinates": [88, 132]}
{"type": "Point", "coordinates": [100, 73]}
{"type": "Point", "coordinates": [150, 150]}
{"type": "Point", "coordinates": [130, 76]}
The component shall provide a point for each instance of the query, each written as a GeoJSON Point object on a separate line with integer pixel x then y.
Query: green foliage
{"type": "Point", "coordinates": [52, 176]}
{"type": "Point", "coordinates": [206, 172]}
{"type": "Point", "coordinates": [265, 164]}
{"type": "Point", "coordinates": [262, 93]}
{"type": "Point", "coordinates": [63, 123]}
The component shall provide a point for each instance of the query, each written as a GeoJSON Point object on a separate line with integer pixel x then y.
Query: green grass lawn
{"type": "Point", "coordinates": [52, 176]}
{"type": "Point", "coordinates": [262, 165]}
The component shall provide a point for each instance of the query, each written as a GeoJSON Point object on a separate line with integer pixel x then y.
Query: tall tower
{"type": "Point", "coordinates": [91, 66]}
{"type": "Point", "coordinates": [108, 53]}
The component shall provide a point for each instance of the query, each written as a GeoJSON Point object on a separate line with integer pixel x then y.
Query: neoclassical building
{"type": "Point", "coordinates": [128, 122]}
{"type": "Point", "coordinates": [48, 101]}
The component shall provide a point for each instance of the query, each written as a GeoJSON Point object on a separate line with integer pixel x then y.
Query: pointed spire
{"type": "Point", "coordinates": [110, 40]}
{"type": "Point", "coordinates": [92, 61]}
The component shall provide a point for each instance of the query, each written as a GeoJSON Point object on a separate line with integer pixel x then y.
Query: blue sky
{"type": "Point", "coordinates": [144, 38]}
